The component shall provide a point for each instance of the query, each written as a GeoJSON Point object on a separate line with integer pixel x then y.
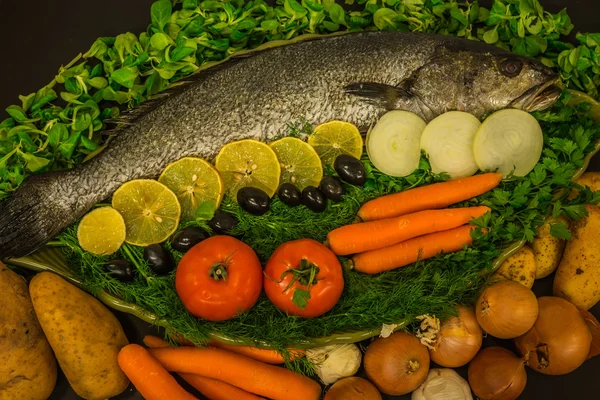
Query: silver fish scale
{"type": "Point", "coordinates": [257, 97]}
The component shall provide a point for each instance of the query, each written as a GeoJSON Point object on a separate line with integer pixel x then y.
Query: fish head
{"type": "Point", "coordinates": [480, 79]}
{"type": "Point", "coordinates": [512, 81]}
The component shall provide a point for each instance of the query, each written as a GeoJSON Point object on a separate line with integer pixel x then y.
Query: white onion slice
{"type": "Point", "coordinates": [448, 140]}
{"type": "Point", "coordinates": [393, 145]}
{"type": "Point", "coordinates": [509, 140]}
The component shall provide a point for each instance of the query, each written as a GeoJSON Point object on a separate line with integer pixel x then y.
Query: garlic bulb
{"type": "Point", "coordinates": [335, 361]}
{"type": "Point", "coordinates": [443, 384]}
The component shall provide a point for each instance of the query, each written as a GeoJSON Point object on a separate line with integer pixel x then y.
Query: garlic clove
{"type": "Point", "coordinates": [335, 361]}
{"type": "Point", "coordinates": [443, 384]}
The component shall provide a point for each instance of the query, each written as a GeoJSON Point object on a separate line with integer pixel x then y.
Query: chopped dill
{"type": "Point", "coordinates": [519, 205]}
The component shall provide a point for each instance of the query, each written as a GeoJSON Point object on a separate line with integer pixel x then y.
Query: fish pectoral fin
{"type": "Point", "coordinates": [379, 93]}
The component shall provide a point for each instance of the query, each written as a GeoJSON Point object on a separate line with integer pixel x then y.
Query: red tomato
{"type": "Point", "coordinates": [288, 282]}
{"type": "Point", "coordinates": [219, 278]}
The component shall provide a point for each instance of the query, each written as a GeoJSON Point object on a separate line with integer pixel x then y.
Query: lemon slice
{"type": "Point", "coordinates": [194, 181]}
{"type": "Point", "coordinates": [101, 231]}
{"type": "Point", "coordinates": [300, 164]}
{"type": "Point", "coordinates": [248, 163]}
{"type": "Point", "coordinates": [334, 138]}
{"type": "Point", "coordinates": [151, 211]}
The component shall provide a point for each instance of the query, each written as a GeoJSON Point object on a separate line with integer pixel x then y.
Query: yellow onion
{"type": "Point", "coordinates": [506, 310]}
{"type": "Point", "coordinates": [398, 364]}
{"type": "Point", "coordinates": [560, 339]}
{"type": "Point", "coordinates": [458, 341]}
{"type": "Point", "coordinates": [497, 374]}
{"type": "Point", "coordinates": [353, 388]}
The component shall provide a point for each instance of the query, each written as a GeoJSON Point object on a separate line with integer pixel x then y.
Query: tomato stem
{"type": "Point", "coordinates": [218, 270]}
{"type": "Point", "coordinates": [305, 274]}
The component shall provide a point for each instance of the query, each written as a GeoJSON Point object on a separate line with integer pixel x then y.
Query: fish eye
{"type": "Point", "coordinates": [511, 68]}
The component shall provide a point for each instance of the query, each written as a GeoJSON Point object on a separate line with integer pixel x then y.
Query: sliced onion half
{"type": "Point", "coordinates": [393, 144]}
{"type": "Point", "coordinates": [509, 140]}
{"type": "Point", "coordinates": [448, 140]}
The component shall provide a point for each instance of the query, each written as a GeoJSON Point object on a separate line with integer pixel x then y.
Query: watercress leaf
{"type": "Point", "coordinates": [159, 41]}
{"type": "Point", "coordinates": [560, 231]}
{"type": "Point", "coordinates": [43, 97]}
{"type": "Point", "coordinates": [27, 101]}
{"type": "Point", "coordinates": [269, 25]}
{"type": "Point", "coordinates": [301, 298]}
{"type": "Point", "coordinates": [33, 162]}
{"type": "Point", "coordinates": [58, 133]}
{"type": "Point", "coordinates": [294, 9]}
{"type": "Point", "coordinates": [72, 86]}
{"type": "Point", "coordinates": [88, 143]}
{"type": "Point", "coordinates": [190, 4]}
{"type": "Point", "coordinates": [331, 26]}
{"type": "Point", "coordinates": [97, 82]}
{"type": "Point", "coordinates": [458, 15]}
{"type": "Point", "coordinates": [313, 5]}
{"type": "Point", "coordinates": [160, 12]}
{"type": "Point", "coordinates": [247, 24]}
{"type": "Point", "coordinates": [68, 147]}
{"type": "Point", "coordinates": [491, 36]}
{"type": "Point", "coordinates": [70, 97]}
{"type": "Point", "coordinates": [178, 54]}
{"type": "Point", "coordinates": [82, 121]}
{"type": "Point", "coordinates": [125, 76]}
{"type": "Point", "coordinates": [17, 113]}
{"type": "Point", "coordinates": [337, 14]}
{"type": "Point", "coordinates": [98, 49]}
{"type": "Point", "coordinates": [384, 18]}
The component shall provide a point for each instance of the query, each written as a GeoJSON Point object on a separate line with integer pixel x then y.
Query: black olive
{"type": "Point", "coordinates": [289, 194]}
{"type": "Point", "coordinates": [253, 200]}
{"type": "Point", "coordinates": [120, 270]}
{"type": "Point", "coordinates": [350, 169]}
{"type": "Point", "coordinates": [160, 261]}
{"type": "Point", "coordinates": [222, 222]}
{"type": "Point", "coordinates": [314, 199]}
{"type": "Point", "coordinates": [187, 238]}
{"type": "Point", "coordinates": [332, 188]}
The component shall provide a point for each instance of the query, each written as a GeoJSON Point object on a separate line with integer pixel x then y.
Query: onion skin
{"type": "Point", "coordinates": [506, 310]}
{"type": "Point", "coordinates": [459, 340]}
{"type": "Point", "coordinates": [560, 340]}
{"type": "Point", "coordinates": [594, 327]}
{"type": "Point", "coordinates": [497, 374]}
{"type": "Point", "coordinates": [398, 364]}
{"type": "Point", "coordinates": [353, 388]}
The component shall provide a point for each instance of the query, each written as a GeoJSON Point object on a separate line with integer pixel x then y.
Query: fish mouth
{"type": "Point", "coordinates": [539, 97]}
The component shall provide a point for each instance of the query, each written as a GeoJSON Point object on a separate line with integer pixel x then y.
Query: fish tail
{"type": "Point", "coordinates": [34, 214]}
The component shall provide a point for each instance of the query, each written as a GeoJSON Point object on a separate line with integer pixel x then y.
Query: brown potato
{"type": "Point", "coordinates": [27, 366]}
{"type": "Point", "coordinates": [578, 275]}
{"type": "Point", "coordinates": [85, 335]}
{"type": "Point", "coordinates": [520, 267]}
{"type": "Point", "coordinates": [547, 249]}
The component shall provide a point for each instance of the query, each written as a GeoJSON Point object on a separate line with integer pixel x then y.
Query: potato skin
{"type": "Point", "coordinates": [520, 267]}
{"type": "Point", "coordinates": [547, 249]}
{"type": "Point", "coordinates": [85, 335]}
{"type": "Point", "coordinates": [28, 366]}
{"type": "Point", "coordinates": [591, 179]}
{"type": "Point", "coordinates": [578, 275]}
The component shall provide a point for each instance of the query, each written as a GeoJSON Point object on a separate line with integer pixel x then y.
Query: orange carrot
{"type": "Point", "coordinates": [215, 389]}
{"type": "Point", "coordinates": [434, 196]}
{"type": "Point", "coordinates": [404, 253]}
{"type": "Point", "coordinates": [372, 235]}
{"type": "Point", "coordinates": [264, 355]}
{"type": "Point", "coordinates": [253, 376]}
{"type": "Point", "coordinates": [148, 376]}
{"type": "Point", "coordinates": [154, 342]}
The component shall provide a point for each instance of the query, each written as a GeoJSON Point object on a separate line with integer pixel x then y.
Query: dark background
{"type": "Point", "coordinates": [37, 37]}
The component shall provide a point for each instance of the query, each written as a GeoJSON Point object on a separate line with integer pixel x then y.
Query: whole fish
{"type": "Point", "coordinates": [352, 77]}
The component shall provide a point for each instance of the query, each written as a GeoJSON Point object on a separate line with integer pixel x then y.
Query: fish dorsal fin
{"type": "Point", "coordinates": [205, 71]}
{"type": "Point", "coordinates": [379, 93]}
